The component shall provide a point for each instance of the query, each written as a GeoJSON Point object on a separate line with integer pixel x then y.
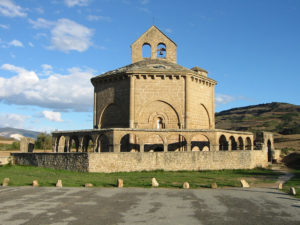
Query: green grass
{"type": "Point", "coordinates": [294, 182]}
{"type": "Point", "coordinates": [24, 175]}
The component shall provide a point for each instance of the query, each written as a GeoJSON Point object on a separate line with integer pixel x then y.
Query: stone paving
{"type": "Point", "coordinates": [29, 205]}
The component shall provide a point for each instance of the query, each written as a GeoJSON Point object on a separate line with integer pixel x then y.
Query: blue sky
{"type": "Point", "coordinates": [49, 50]}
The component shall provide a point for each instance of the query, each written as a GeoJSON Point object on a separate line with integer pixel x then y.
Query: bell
{"type": "Point", "coordinates": [161, 53]}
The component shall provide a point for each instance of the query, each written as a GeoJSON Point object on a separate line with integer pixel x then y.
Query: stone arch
{"type": "Point", "coordinates": [206, 120]}
{"type": "Point", "coordinates": [111, 117]}
{"type": "Point", "coordinates": [88, 144]}
{"type": "Point", "coordinates": [102, 143]}
{"type": "Point", "coordinates": [248, 143]}
{"type": "Point", "coordinates": [176, 142]}
{"type": "Point", "coordinates": [146, 50]}
{"type": "Point", "coordinates": [161, 50]}
{"type": "Point", "coordinates": [233, 143]}
{"type": "Point", "coordinates": [160, 108]}
{"type": "Point", "coordinates": [74, 144]}
{"type": "Point", "coordinates": [240, 143]}
{"type": "Point", "coordinates": [223, 143]}
{"type": "Point", "coordinates": [129, 143]}
{"type": "Point", "coordinates": [269, 149]}
{"type": "Point", "coordinates": [199, 141]}
{"type": "Point", "coordinates": [154, 143]}
{"type": "Point", "coordinates": [61, 147]}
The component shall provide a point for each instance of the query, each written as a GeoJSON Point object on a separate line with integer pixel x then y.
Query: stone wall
{"type": "Point", "coordinates": [137, 161]}
{"type": "Point", "coordinates": [64, 161]}
{"type": "Point", "coordinates": [174, 161]}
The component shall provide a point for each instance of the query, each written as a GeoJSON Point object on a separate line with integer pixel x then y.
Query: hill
{"type": "Point", "coordinates": [9, 132]}
{"type": "Point", "coordinates": [282, 119]}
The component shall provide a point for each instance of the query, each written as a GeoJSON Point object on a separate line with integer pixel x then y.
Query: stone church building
{"type": "Point", "coordinates": [156, 114]}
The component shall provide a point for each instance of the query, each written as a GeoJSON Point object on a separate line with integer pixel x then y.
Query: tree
{"type": "Point", "coordinates": [43, 141]}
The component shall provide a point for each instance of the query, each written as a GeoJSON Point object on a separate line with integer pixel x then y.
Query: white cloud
{"type": "Point", "coordinates": [3, 26]}
{"type": "Point", "coordinates": [30, 44]}
{"type": "Point", "coordinates": [169, 30]}
{"type": "Point", "coordinates": [10, 9]}
{"type": "Point", "coordinates": [16, 43]}
{"type": "Point", "coordinates": [52, 116]}
{"type": "Point", "coordinates": [71, 3]}
{"type": "Point", "coordinates": [72, 91]}
{"type": "Point", "coordinates": [100, 18]}
{"type": "Point", "coordinates": [144, 2]}
{"type": "Point", "coordinates": [41, 23]}
{"type": "Point", "coordinates": [223, 99]}
{"type": "Point", "coordinates": [12, 120]}
{"type": "Point", "coordinates": [66, 35]}
{"type": "Point", "coordinates": [46, 67]}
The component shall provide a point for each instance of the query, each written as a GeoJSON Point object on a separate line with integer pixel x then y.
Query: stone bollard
{"type": "Point", "coordinates": [5, 182]}
{"type": "Point", "coordinates": [88, 185]}
{"type": "Point", "coordinates": [35, 183]}
{"type": "Point", "coordinates": [244, 184]}
{"type": "Point", "coordinates": [214, 186]}
{"type": "Point", "coordinates": [120, 183]}
{"type": "Point", "coordinates": [280, 186]}
{"type": "Point", "coordinates": [154, 182]}
{"type": "Point", "coordinates": [59, 183]}
{"type": "Point", "coordinates": [186, 185]}
{"type": "Point", "coordinates": [292, 191]}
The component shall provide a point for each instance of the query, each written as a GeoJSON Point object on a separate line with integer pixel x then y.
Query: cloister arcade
{"type": "Point", "coordinates": [135, 140]}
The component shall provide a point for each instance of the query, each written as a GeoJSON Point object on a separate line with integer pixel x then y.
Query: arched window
{"type": "Point", "coordinates": [161, 50]}
{"type": "Point", "coordinates": [223, 144]}
{"type": "Point", "coordinates": [159, 123]}
{"type": "Point", "coordinates": [146, 51]}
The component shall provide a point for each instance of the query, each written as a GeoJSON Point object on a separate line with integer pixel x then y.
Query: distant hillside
{"type": "Point", "coordinates": [9, 132]}
{"type": "Point", "coordinates": [275, 117]}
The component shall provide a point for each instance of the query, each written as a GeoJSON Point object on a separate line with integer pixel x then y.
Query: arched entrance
{"type": "Point", "coordinates": [130, 143]}
{"type": "Point", "coordinates": [223, 143]}
{"type": "Point", "coordinates": [233, 143]}
{"type": "Point", "coordinates": [176, 142]}
{"type": "Point", "coordinates": [199, 142]}
{"type": "Point", "coordinates": [102, 144]}
{"type": "Point", "coordinates": [88, 145]}
{"type": "Point", "coordinates": [74, 144]}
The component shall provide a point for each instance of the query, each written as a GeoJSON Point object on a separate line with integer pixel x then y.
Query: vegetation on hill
{"type": "Point", "coordinates": [282, 118]}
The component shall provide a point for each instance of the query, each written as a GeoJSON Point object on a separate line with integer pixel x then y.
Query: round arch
{"type": "Point", "coordinates": [129, 143]}
{"type": "Point", "coordinates": [200, 141]}
{"type": "Point", "coordinates": [176, 142]}
{"type": "Point", "coordinates": [223, 143]}
{"type": "Point", "coordinates": [102, 143]}
{"type": "Point", "coordinates": [154, 143]}
{"type": "Point", "coordinates": [233, 143]}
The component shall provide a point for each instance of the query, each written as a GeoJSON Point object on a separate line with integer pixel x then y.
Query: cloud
{"type": "Point", "coordinates": [46, 67]}
{"type": "Point", "coordinates": [16, 43]}
{"type": "Point", "coordinates": [144, 2]}
{"type": "Point", "coordinates": [3, 26]}
{"type": "Point", "coordinates": [52, 116]}
{"type": "Point", "coordinates": [72, 3]}
{"type": "Point", "coordinates": [30, 44]}
{"type": "Point", "coordinates": [12, 120]}
{"type": "Point", "coordinates": [98, 18]}
{"type": "Point", "coordinates": [71, 91]}
{"type": "Point", "coordinates": [41, 23]}
{"type": "Point", "coordinates": [223, 99]}
{"type": "Point", "coordinates": [66, 35]}
{"type": "Point", "coordinates": [10, 9]}
{"type": "Point", "coordinates": [169, 30]}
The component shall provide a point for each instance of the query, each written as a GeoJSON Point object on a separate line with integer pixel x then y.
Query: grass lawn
{"type": "Point", "coordinates": [294, 182]}
{"type": "Point", "coordinates": [24, 175]}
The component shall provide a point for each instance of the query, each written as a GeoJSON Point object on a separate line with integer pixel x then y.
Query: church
{"type": "Point", "coordinates": [157, 114]}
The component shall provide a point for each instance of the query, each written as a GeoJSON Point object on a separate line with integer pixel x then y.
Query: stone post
{"type": "Point", "coordinates": [165, 147]}
{"type": "Point", "coordinates": [188, 147]}
{"type": "Point", "coordinates": [131, 107]}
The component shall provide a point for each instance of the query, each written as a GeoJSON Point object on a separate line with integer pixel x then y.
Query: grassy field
{"type": "Point", "coordinates": [294, 182]}
{"type": "Point", "coordinates": [24, 175]}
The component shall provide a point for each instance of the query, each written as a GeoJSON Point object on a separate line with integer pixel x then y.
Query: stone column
{"type": "Point", "coordinates": [95, 102]}
{"type": "Point", "coordinates": [187, 102]}
{"type": "Point", "coordinates": [131, 103]}
{"type": "Point", "coordinates": [165, 147]}
{"type": "Point", "coordinates": [189, 146]}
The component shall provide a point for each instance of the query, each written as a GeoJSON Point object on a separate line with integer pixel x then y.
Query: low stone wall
{"type": "Point", "coordinates": [65, 161]}
{"type": "Point", "coordinates": [174, 161]}
{"type": "Point", "coordinates": [137, 161]}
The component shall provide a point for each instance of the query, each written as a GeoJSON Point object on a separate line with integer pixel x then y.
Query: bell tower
{"type": "Point", "coordinates": [161, 46]}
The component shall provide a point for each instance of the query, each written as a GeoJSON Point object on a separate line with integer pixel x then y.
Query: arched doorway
{"type": "Point", "coordinates": [223, 143]}
{"type": "Point", "coordinates": [233, 143]}
{"type": "Point", "coordinates": [269, 151]}
{"type": "Point", "coordinates": [130, 143]}
{"type": "Point", "coordinates": [176, 142]}
{"type": "Point", "coordinates": [74, 144]}
{"type": "Point", "coordinates": [102, 144]}
{"type": "Point", "coordinates": [88, 145]}
{"type": "Point", "coordinates": [241, 143]}
{"type": "Point", "coordinates": [154, 143]}
{"type": "Point", "coordinates": [248, 144]}
{"type": "Point", "coordinates": [199, 142]}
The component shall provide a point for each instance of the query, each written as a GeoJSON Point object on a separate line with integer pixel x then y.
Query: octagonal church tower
{"type": "Point", "coordinates": [154, 92]}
